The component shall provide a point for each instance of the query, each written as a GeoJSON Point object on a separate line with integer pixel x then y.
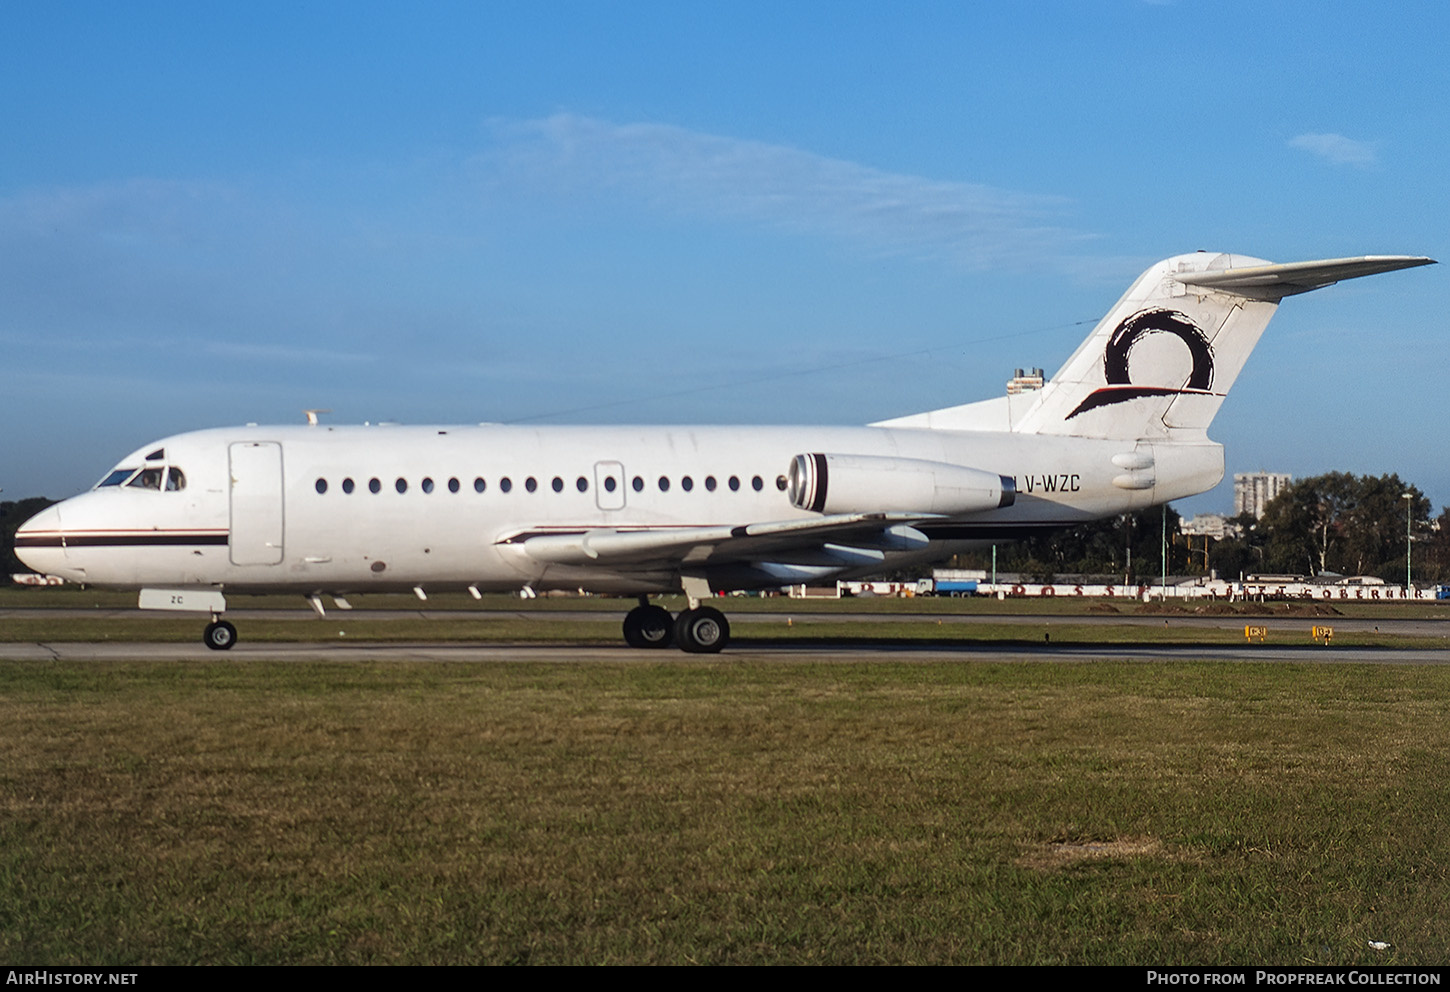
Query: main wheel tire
{"type": "Point", "coordinates": [649, 627]}
{"type": "Point", "coordinates": [219, 635]}
{"type": "Point", "coordinates": [702, 631]}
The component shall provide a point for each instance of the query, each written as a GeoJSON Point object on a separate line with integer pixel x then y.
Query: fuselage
{"type": "Point", "coordinates": [346, 509]}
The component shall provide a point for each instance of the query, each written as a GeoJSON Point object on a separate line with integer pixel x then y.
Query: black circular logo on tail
{"type": "Point", "coordinates": [1132, 330]}
{"type": "Point", "coordinates": [1116, 357]}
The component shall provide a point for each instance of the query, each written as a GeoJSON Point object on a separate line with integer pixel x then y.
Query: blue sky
{"type": "Point", "coordinates": [698, 212]}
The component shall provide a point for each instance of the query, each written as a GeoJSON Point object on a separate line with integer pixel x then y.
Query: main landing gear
{"type": "Point", "coordinates": [219, 635]}
{"type": "Point", "coordinates": [701, 630]}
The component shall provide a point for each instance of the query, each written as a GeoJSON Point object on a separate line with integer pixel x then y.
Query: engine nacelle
{"type": "Point", "coordinates": [876, 484]}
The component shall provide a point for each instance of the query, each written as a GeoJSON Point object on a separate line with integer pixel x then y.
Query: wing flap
{"type": "Point", "coordinates": [670, 546]}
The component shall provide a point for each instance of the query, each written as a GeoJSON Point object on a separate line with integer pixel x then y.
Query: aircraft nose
{"type": "Point", "coordinates": [40, 542]}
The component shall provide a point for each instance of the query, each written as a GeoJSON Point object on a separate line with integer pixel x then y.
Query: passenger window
{"type": "Point", "coordinates": [374, 486]}
{"type": "Point", "coordinates": [780, 483]}
{"type": "Point", "coordinates": [453, 485]}
{"type": "Point", "coordinates": [479, 485]}
{"type": "Point", "coordinates": [558, 484]}
{"type": "Point", "coordinates": [638, 484]}
{"type": "Point", "coordinates": [608, 483]}
{"type": "Point", "coordinates": [734, 484]}
{"type": "Point", "coordinates": [321, 486]}
{"type": "Point", "coordinates": [401, 485]}
{"type": "Point", "coordinates": [756, 484]}
{"type": "Point", "coordinates": [347, 485]}
{"type": "Point", "coordinates": [505, 484]}
{"type": "Point", "coordinates": [427, 484]}
{"type": "Point", "coordinates": [710, 483]}
{"type": "Point", "coordinates": [664, 484]}
{"type": "Point", "coordinates": [531, 484]}
{"type": "Point", "coordinates": [687, 483]}
{"type": "Point", "coordinates": [582, 484]}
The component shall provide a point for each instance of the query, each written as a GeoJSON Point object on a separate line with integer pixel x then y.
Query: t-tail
{"type": "Point", "coordinates": [1159, 365]}
{"type": "Point", "coordinates": [1162, 360]}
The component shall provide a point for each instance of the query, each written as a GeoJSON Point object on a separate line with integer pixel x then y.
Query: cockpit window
{"type": "Point", "coordinates": [147, 478]}
{"type": "Point", "coordinates": [116, 477]}
{"type": "Point", "coordinates": [175, 479]}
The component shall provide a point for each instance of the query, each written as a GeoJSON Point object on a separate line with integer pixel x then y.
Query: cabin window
{"type": "Point", "coordinates": [558, 484]}
{"type": "Point", "coordinates": [531, 484]}
{"type": "Point", "coordinates": [374, 486]}
{"type": "Point", "coordinates": [734, 484]}
{"type": "Point", "coordinates": [609, 483]}
{"type": "Point", "coordinates": [427, 484]}
{"type": "Point", "coordinates": [401, 485]}
{"type": "Point", "coordinates": [664, 483]}
{"type": "Point", "coordinates": [453, 485]}
{"type": "Point", "coordinates": [687, 483]}
{"type": "Point", "coordinates": [321, 486]}
{"type": "Point", "coordinates": [638, 484]}
{"type": "Point", "coordinates": [505, 484]}
{"type": "Point", "coordinates": [756, 484]}
{"type": "Point", "coordinates": [710, 483]}
{"type": "Point", "coordinates": [479, 485]}
{"type": "Point", "coordinates": [582, 484]}
{"type": "Point", "coordinates": [347, 485]}
{"type": "Point", "coordinates": [780, 483]}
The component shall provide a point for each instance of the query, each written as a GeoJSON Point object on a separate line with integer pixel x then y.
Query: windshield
{"type": "Point", "coordinates": [157, 477]}
{"type": "Point", "coordinates": [116, 477]}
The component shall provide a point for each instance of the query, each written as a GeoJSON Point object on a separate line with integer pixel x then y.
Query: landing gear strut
{"type": "Point", "coordinates": [219, 635]}
{"type": "Point", "coordinates": [703, 630]}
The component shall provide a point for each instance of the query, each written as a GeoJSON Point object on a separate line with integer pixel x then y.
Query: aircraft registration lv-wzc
{"type": "Point", "coordinates": [334, 510]}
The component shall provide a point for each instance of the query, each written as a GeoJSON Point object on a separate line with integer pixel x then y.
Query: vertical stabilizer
{"type": "Point", "coordinates": [1161, 362]}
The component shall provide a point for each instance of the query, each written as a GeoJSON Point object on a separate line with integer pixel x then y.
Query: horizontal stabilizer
{"type": "Point", "coordinates": [1273, 282]}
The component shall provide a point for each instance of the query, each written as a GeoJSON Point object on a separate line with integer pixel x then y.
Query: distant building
{"type": "Point", "coordinates": [1214, 525]}
{"type": "Point", "coordinates": [1253, 490]}
{"type": "Point", "coordinates": [1026, 381]}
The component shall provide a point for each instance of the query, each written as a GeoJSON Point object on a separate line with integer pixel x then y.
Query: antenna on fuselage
{"type": "Point", "coordinates": [312, 416]}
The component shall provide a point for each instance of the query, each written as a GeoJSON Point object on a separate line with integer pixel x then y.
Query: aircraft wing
{"type": "Point", "coordinates": [845, 539]}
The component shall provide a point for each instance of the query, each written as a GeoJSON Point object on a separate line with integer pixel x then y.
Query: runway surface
{"type": "Point", "coordinates": [755, 639]}
{"type": "Point", "coordinates": [1437, 627]}
{"type": "Point", "coordinates": [743, 649]}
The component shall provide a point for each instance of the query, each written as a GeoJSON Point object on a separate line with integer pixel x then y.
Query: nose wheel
{"type": "Point", "coordinates": [219, 635]}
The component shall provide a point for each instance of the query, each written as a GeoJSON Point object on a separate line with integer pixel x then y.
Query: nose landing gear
{"type": "Point", "coordinates": [219, 635]}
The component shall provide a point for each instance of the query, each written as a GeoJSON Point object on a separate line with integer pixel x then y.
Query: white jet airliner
{"type": "Point", "coordinates": [322, 510]}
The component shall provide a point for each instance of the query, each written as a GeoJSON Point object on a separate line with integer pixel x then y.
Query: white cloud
{"type": "Point", "coordinates": [697, 174]}
{"type": "Point", "coordinates": [1336, 148]}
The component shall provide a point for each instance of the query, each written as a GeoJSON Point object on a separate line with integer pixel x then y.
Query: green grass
{"type": "Point", "coordinates": [722, 811]}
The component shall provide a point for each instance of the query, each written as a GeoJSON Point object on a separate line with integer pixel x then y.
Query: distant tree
{"type": "Point", "coordinates": [1432, 551]}
{"type": "Point", "coordinates": [1124, 546]}
{"type": "Point", "coordinates": [1235, 557]}
{"type": "Point", "coordinates": [12, 515]}
{"type": "Point", "coordinates": [1349, 524]}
